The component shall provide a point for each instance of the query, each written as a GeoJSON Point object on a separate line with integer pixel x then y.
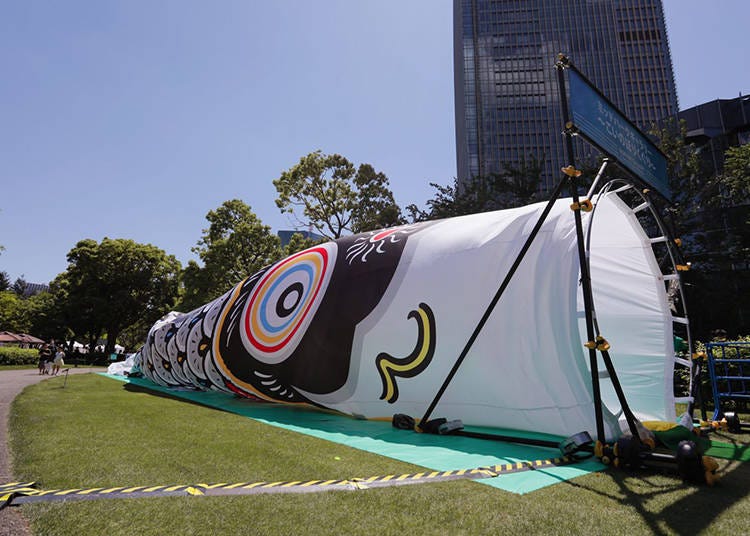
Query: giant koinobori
{"type": "Point", "coordinates": [286, 332]}
{"type": "Point", "coordinates": [370, 325]}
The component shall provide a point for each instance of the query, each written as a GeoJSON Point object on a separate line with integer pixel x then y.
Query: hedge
{"type": "Point", "coordinates": [12, 355]}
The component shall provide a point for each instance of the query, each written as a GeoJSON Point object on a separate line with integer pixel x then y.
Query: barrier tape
{"type": "Point", "coordinates": [25, 492]}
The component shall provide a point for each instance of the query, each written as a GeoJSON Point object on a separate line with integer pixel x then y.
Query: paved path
{"type": "Point", "coordinates": [12, 382]}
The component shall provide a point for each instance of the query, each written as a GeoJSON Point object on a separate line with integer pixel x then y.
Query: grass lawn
{"type": "Point", "coordinates": [95, 433]}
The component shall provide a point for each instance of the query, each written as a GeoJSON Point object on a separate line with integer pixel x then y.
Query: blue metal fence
{"type": "Point", "coordinates": [729, 367]}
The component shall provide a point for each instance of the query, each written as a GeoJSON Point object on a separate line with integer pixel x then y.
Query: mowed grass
{"type": "Point", "coordinates": [95, 433]}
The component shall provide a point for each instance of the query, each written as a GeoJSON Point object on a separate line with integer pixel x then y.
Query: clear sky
{"type": "Point", "coordinates": [134, 118]}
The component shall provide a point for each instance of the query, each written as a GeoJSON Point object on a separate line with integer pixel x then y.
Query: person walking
{"type": "Point", "coordinates": [45, 353]}
{"type": "Point", "coordinates": [58, 362]}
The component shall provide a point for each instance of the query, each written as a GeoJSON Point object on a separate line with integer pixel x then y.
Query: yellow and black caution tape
{"type": "Point", "coordinates": [26, 492]}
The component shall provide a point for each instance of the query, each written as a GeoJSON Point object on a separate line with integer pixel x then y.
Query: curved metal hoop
{"type": "Point", "coordinates": [673, 285]}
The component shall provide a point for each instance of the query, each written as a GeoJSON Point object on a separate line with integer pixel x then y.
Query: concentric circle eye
{"type": "Point", "coordinates": [284, 302]}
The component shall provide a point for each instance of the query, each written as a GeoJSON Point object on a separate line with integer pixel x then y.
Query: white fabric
{"type": "Point", "coordinates": [633, 312]}
{"type": "Point", "coordinates": [527, 369]}
{"type": "Point", "coordinates": [120, 368]}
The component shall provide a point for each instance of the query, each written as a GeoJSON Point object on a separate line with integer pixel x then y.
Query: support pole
{"type": "Point", "coordinates": [598, 178]}
{"type": "Point", "coordinates": [588, 303]}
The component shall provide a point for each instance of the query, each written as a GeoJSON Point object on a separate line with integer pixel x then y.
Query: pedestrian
{"type": "Point", "coordinates": [58, 361]}
{"type": "Point", "coordinates": [44, 353]}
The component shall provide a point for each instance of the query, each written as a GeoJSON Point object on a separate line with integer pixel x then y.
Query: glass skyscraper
{"type": "Point", "coordinates": [506, 90]}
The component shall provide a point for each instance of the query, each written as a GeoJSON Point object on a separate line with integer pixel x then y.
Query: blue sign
{"type": "Point", "coordinates": [607, 127]}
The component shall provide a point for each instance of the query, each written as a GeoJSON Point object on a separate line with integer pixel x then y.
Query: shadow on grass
{"type": "Point", "coordinates": [732, 446]}
{"type": "Point", "coordinates": [670, 506]}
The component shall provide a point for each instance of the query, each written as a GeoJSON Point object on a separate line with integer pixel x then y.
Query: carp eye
{"type": "Point", "coordinates": [284, 302]}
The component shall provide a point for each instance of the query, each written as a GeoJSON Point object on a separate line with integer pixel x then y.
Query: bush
{"type": "Point", "coordinates": [12, 355]}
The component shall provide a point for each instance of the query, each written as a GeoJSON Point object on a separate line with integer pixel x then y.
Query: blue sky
{"type": "Point", "coordinates": [134, 118]}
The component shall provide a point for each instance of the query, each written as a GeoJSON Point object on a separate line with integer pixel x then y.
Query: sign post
{"type": "Point", "coordinates": [599, 122]}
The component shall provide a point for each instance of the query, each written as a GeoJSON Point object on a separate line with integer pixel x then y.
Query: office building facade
{"type": "Point", "coordinates": [713, 127]}
{"type": "Point", "coordinates": [506, 90]}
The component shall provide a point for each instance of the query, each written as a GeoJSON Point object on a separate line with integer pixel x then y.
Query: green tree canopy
{"type": "Point", "coordinates": [46, 317]}
{"type": "Point", "coordinates": [692, 187]}
{"type": "Point", "coordinates": [375, 208]}
{"type": "Point", "coordinates": [329, 194]}
{"type": "Point", "coordinates": [516, 186]}
{"type": "Point", "coordinates": [13, 316]}
{"type": "Point", "coordinates": [111, 285]}
{"type": "Point", "coordinates": [4, 281]}
{"type": "Point", "coordinates": [235, 245]}
{"type": "Point", "coordinates": [736, 176]}
{"type": "Point", "coordinates": [709, 214]}
{"type": "Point", "coordinates": [19, 286]}
{"type": "Point", "coordinates": [40, 315]}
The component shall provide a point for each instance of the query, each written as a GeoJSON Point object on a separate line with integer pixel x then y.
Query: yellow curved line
{"type": "Point", "coordinates": [387, 366]}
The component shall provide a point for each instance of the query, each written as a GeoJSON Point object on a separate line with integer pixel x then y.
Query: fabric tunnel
{"type": "Point", "coordinates": [370, 324]}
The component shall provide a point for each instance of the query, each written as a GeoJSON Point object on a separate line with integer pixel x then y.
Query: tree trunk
{"type": "Point", "coordinates": [112, 334]}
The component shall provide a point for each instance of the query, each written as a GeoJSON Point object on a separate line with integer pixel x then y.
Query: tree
{"type": "Point", "coordinates": [12, 313]}
{"type": "Point", "coordinates": [736, 176]}
{"type": "Point", "coordinates": [708, 215]}
{"type": "Point", "coordinates": [37, 315]}
{"type": "Point", "coordinates": [376, 208]}
{"type": "Point", "coordinates": [4, 281]}
{"type": "Point", "coordinates": [46, 317]}
{"type": "Point", "coordinates": [19, 286]}
{"type": "Point", "coordinates": [78, 312]}
{"type": "Point", "coordinates": [334, 197]}
{"type": "Point", "coordinates": [515, 186]}
{"type": "Point", "coordinates": [116, 283]}
{"type": "Point", "coordinates": [235, 245]}
{"type": "Point", "coordinates": [690, 184]}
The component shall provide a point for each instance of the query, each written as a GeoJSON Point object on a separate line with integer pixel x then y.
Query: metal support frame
{"type": "Point", "coordinates": [621, 185]}
{"type": "Point", "coordinates": [595, 341]}
{"type": "Point", "coordinates": [588, 301]}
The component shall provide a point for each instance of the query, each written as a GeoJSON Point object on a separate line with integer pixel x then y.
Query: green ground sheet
{"type": "Point", "coordinates": [436, 452]}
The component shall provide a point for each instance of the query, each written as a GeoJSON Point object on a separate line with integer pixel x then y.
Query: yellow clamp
{"type": "Point", "coordinates": [600, 344]}
{"type": "Point", "coordinates": [710, 466]}
{"type": "Point", "coordinates": [700, 355]}
{"type": "Point", "coordinates": [678, 242]}
{"type": "Point", "coordinates": [584, 205]}
{"type": "Point", "coordinates": [570, 171]}
{"type": "Point", "coordinates": [572, 129]}
{"type": "Point", "coordinates": [683, 267]}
